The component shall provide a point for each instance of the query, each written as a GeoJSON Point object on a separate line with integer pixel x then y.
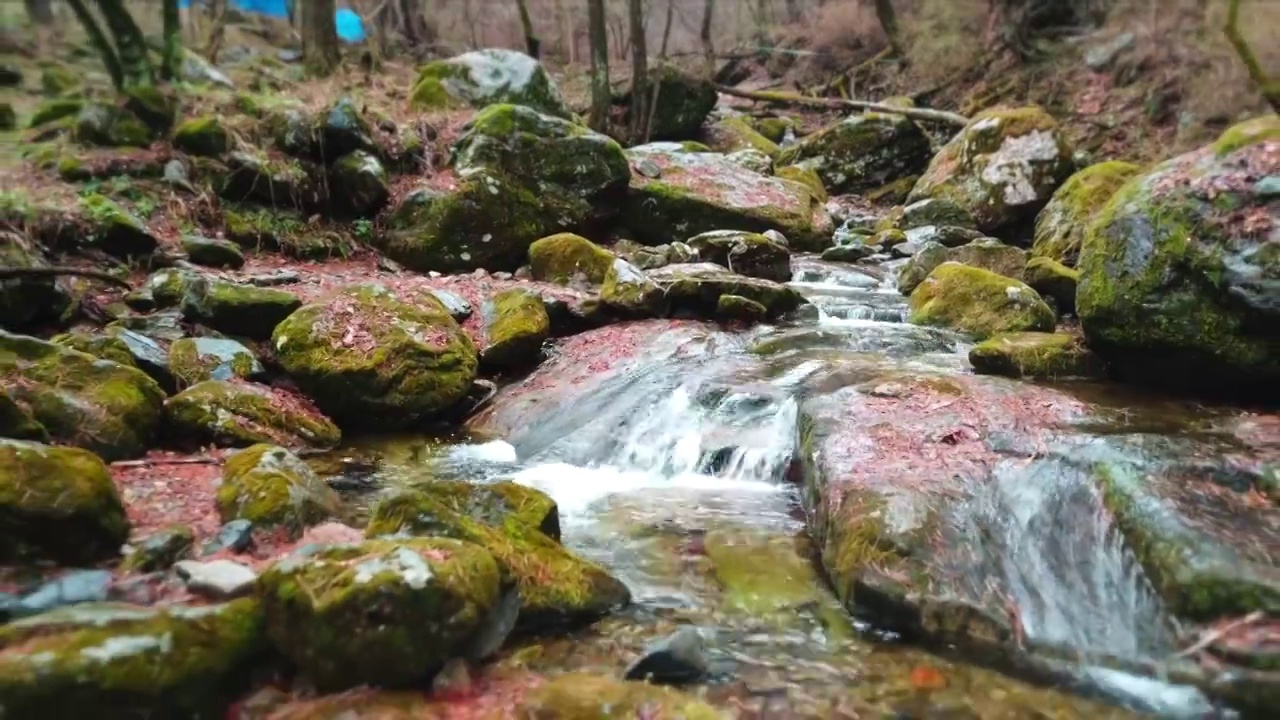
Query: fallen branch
{"type": "Point", "coordinates": [17, 272]}
{"type": "Point", "coordinates": [1212, 636]}
{"type": "Point", "coordinates": [941, 116]}
{"type": "Point", "coordinates": [148, 462]}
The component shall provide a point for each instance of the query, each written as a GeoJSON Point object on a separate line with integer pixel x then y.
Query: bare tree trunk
{"type": "Point", "coordinates": [172, 41]}
{"type": "Point", "coordinates": [320, 52]}
{"type": "Point", "coordinates": [131, 47]}
{"type": "Point", "coordinates": [601, 95]}
{"type": "Point", "coordinates": [793, 11]}
{"type": "Point", "coordinates": [469, 19]}
{"type": "Point", "coordinates": [889, 24]}
{"type": "Point", "coordinates": [40, 11]}
{"type": "Point", "coordinates": [639, 72]}
{"type": "Point", "coordinates": [666, 28]}
{"type": "Point", "coordinates": [531, 43]}
{"type": "Point", "coordinates": [1270, 88]}
{"type": "Point", "coordinates": [708, 50]}
{"type": "Point", "coordinates": [218, 10]}
{"type": "Point", "coordinates": [100, 42]}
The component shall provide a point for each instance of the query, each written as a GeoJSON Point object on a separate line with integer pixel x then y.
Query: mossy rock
{"type": "Point", "coordinates": [489, 221]}
{"type": "Point", "coordinates": [563, 257]}
{"type": "Point", "coordinates": [193, 360]}
{"type": "Point", "coordinates": [383, 612]}
{"type": "Point", "coordinates": [1034, 355]}
{"type": "Point", "coordinates": [542, 150]}
{"type": "Point", "coordinates": [113, 229]}
{"type": "Point", "coordinates": [1054, 280]}
{"type": "Point", "coordinates": [694, 193]}
{"type": "Point", "coordinates": [751, 159]}
{"type": "Point", "coordinates": [341, 130]}
{"type": "Point", "coordinates": [1002, 167]}
{"type": "Point", "coordinates": [696, 288]}
{"type": "Point", "coordinates": [212, 252]}
{"type": "Point", "coordinates": [514, 325]}
{"type": "Point", "coordinates": [557, 588]}
{"type": "Point", "coordinates": [204, 135]}
{"type": "Point", "coordinates": [236, 309]}
{"type": "Point", "coordinates": [273, 181]}
{"type": "Point", "coordinates": [160, 550]}
{"type": "Point", "coordinates": [988, 254]}
{"type": "Point", "coordinates": [1177, 281]}
{"type": "Point", "coordinates": [168, 286]}
{"type": "Point", "coordinates": [228, 413]}
{"type": "Point", "coordinates": [270, 487]}
{"type": "Point", "coordinates": [582, 696]}
{"type": "Point", "coordinates": [8, 117]}
{"type": "Point", "coordinates": [368, 357]}
{"type": "Point", "coordinates": [58, 80]}
{"type": "Point", "coordinates": [16, 420]}
{"type": "Point", "coordinates": [935, 211]}
{"type": "Point", "coordinates": [1062, 224]}
{"type": "Point", "coordinates": [745, 253]}
{"type": "Point", "coordinates": [496, 504]}
{"type": "Point", "coordinates": [735, 308]}
{"type": "Point", "coordinates": [82, 401]}
{"type": "Point", "coordinates": [156, 106]}
{"type": "Point", "coordinates": [59, 504]}
{"type": "Point", "coordinates": [105, 347]}
{"type": "Point", "coordinates": [735, 133]}
{"type": "Point", "coordinates": [648, 257]}
{"type": "Point", "coordinates": [978, 302]}
{"type": "Point", "coordinates": [129, 661]}
{"type": "Point", "coordinates": [360, 184]}
{"type": "Point", "coordinates": [805, 176]}
{"type": "Point", "coordinates": [684, 101]}
{"type": "Point", "coordinates": [773, 128]}
{"type": "Point", "coordinates": [266, 228]}
{"type": "Point", "coordinates": [110, 126]}
{"type": "Point", "coordinates": [629, 290]}
{"type": "Point", "coordinates": [862, 152]}
{"type": "Point", "coordinates": [28, 302]}
{"type": "Point", "coordinates": [51, 111]}
{"type": "Point", "coordinates": [486, 77]}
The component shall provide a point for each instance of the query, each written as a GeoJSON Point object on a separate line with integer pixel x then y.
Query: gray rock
{"type": "Point", "coordinates": [150, 356]}
{"type": "Point", "coordinates": [848, 253]}
{"type": "Point", "coordinates": [458, 307]}
{"type": "Point", "coordinates": [676, 659]}
{"type": "Point", "coordinates": [212, 252]}
{"type": "Point", "coordinates": [1101, 56]}
{"type": "Point", "coordinates": [73, 588]}
{"type": "Point", "coordinates": [217, 579]}
{"type": "Point", "coordinates": [236, 536]}
{"type": "Point", "coordinates": [161, 549]}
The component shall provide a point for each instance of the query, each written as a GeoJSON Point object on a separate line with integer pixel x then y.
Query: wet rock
{"type": "Point", "coordinates": [235, 536]}
{"type": "Point", "coordinates": [1054, 280]}
{"type": "Point", "coordinates": [978, 302]}
{"type": "Point", "coordinates": [753, 160]}
{"type": "Point", "coordinates": [580, 695]}
{"type": "Point", "coordinates": [431, 595]}
{"type": "Point", "coordinates": [130, 661]}
{"type": "Point", "coordinates": [540, 150]}
{"type": "Point", "coordinates": [202, 135]}
{"type": "Point", "coordinates": [685, 101]}
{"type": "Point", "coordinates": [935, 211]}
{"type": "Point", "coordinates": [101, 406]}
{"type": "Point", "coordinates": [738, 308]}
{"type": "Point", "coordinates": [212, 253]}
{"type": "Point", "coordinates": [805, 176]}
{"type": "Point", "coordinates": [485, 77]}
{"type": "Point", "coordinates": [946, 235]}
{"type": "Point", "coordinates": [645, 257]}
{"type": "Point", "coordinates": [110, 126]}
{"type": "Point", "coordinates": [735, 133]}
{"type": "Point", "coordinates": [1035, 355]}
{"type": "Point", "coordinates": [367, 356]}
{"type": "Point", "coordinates": [1173, 290]}
{"type": "Point", "coordinates": [674, 660]}
{"type": "Point", "coordinates": [360, 184]}
{"type": "Point", "coordinates": [557, 588]}
{"type": "Point", "coordinates": [272, 181]}
{"type": "Point", "coordinates": [160, 550]}
{"type": "Point", "coordinates": [496, 504]}
{"type": "Point", "coordinates": [852, 252]}
{"type": "Point", "coordinates": [697, 288]}
{"type": "Point", "coordinates": [237, 309]}
{"type": "Point", "coordinates": [147, 354]}
{"type": "Point", "coordinates": [228, 413]}
{"type": "Point", "coordinates": [217, 579]}
{"type": "Point", "coordinates": [515, 324]}
{"type": "Point", "coordinates": [458, 308]}
{"type": "Point", "coordinates": [629, 291]}
{"type": "Point", "coordinates": [268, 486]}
{"type": "Point", "coordinates": [744, 253]}
{"type": "Point", "coordinates": [71, 588]}
{"type": "Point", "coordinates": [988, 254]}
{"type": "Point", "coordinates": [104, 347]}
{"type": "Point", "coordinates": [193, 360]}
{"type": "Point", "coordinates": [1062, 224]}
{"type": "Point", "coordinates": [1001, 168]}
{"type": "Point", "coordinates": [564, 257]}
{"type": "Point", "coordinates": [862, 153]}
{"type": "Point", "coordinates": [700, 192]}
{"type": "Point", "coordinates": [113, 229]}
{"type": "Point", "coordinates": [58, 503]}
{"type": "Point", "coordinates": [489, 221]}
{"type": "Point", "coordinates": [28, 302]}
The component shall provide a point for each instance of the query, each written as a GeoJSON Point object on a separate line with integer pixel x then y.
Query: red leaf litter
{"type": "Point", "coordinates": [490, 696]}
{"type": "Point", "coordinates": [158, 493]}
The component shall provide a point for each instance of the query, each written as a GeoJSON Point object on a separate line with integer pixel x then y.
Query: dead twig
{"type": "Point", "coordinates": [149, 462]}
{"type": "Point", "coordinates": [941, 116]}
{"type": "Point", "coordinates": [1212, 636]}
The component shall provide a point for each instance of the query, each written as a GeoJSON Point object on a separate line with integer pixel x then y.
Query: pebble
{"type": "Point", "coordinates": [217, 579]}
{"type": "Point", "coordinates": [72, 588]}
{"type": "Point", "coordinates": [676, 659]}
{"type": "Point", "coordinates": [236, 536]}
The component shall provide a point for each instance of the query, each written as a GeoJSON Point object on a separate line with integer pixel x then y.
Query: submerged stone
{"type": "Point", "coordinates": [581, 695]}
{"type": "Point", "coordinates": [677, 659]}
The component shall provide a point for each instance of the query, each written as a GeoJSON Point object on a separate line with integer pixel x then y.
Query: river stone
{"type": "Point", "coordinates": [564, 257]}
{"type": "Point", "coordinates": [1001, 168]}
{"type": "Point", "coordinates": [744, 253]}
{"type": "Point", "coordinates": [646, 257]}
{"type": "Point", "coordinates": [700, 192]}
{"type": "Point", "coordinates": [978, 302]}
{"type": "Point", "coordinates": [1062, 224]}
{"type": "Point", "coordinates": [232, 413]}
{"type": "Point", "coordinates": [235, 536]}
{"type": "Point", "coordinates": [988, 254]}
{"type": "Point", "coordinates": [431, 596]}
{"type": "Point", "coordinates": [1034, 355]}
{"type": "Point", "coordinates": [75, 587]}
{"type": "Point", "coordinates": [514, 324]}
{"type": "Point", "coordinates": [581, 695]}
{"type": "Point", "coordinates": [212, 253]}
{"type": "Point", "coordinates": [935, 211]}
{"type": "Point", "coordinates": [270, 486]}
{"type": "Point", "coordinates": [852, 252]}
{"type": "Point", "coordinates": [57, 503]}
{"type": "Point", "coordinates": [484, 77]}
{"type": "Point", "coordinates": [360, 184]}
{"type": "Point", "coordinates": [237, 309]}
{"type": "Point", "coordinates": [697, 287]}
{"type": "Point", "coordinates": [193, 360]}
{"type": "Point", "coordinates": [368, 357]}
{"type": "Point", "coordinates": [112, 229]}
{"type": "Point", "coordinates": [629, 290]}
{"type": "Point", "coordinates": [130, 661]}
{"type": "Point", "coordinates": [862, 153]}
{"type": "Point", "coordinates": [103, 347]}
{"type": "Point", "coordinates": [677, 659]}
{"type": "Point", "coordinates": [203, 135]}
{"type": "Point", "coordinates": [1175, 290]}
{"type": "Point", "coordinates": [948, 235]}
{"type": "Point", "coordinates": [160, 550]}
{"type": "Point", "coordinates": [496, 504]}
{"type": "Point", "coordinates": [557, 588]}
{"type": "Point", "coordinates": [217, 579]}
{"type": "Point", "coordinates": [457, 306]}
{"type": "Point", "coordinates": [99, 405]}
{"type": "Point", "coordinates": [26, 302]}
{"type": "Point", "coordinates": [540, 150]}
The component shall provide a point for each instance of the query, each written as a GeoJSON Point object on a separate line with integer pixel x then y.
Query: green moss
{"type": "Point", "coordinates": [515, 326]}
{"type": "Point", "coordinates": [1061, 225]}
{"type": "Point", "coordinates": [99, 346]}
{"type": "Point", "coordinates": [114, 229]}
{"type": "Point", "coordinates": [202, 135]}
{"type": "Point", "coordinates": [190, 366]}
{"type": "Point", "coordinates": [630, 291]}
{"type": "Point", "coordinates": [236, 414]}
{"type": "Point", "coordinates": [805, 176]}
{"type": "Point", "coordinates": [1247, 133]}
{"type": "Point", "coordinates": [862, 152]}
{"type": "Point", "coordinates": [16, 420]}
{"type": "Point", "coordinates": [53, 110]}
{"type": "Point", "coordinates": [738, 308]}
{"type": "Point", "coordinates": [978, 302]}
{"type": "Point", "coordinates": [735, 133]}
{"type": "Point", "coordinates": [1034, 355]}
{"type": "Point", "coordinates": [1018, 121]}
{"type": "Point", "coordinates": [236, 309]}
{"type": "Point", "coordinates": [494, 504]}
{"type": "Point", "coordinates": [57, 80]}
{"type": "Point", "coordinates": [360, 184]}
{"type": "Point", "coordinates": [385, 612]}
{"type": "Point", "coordinates": [773, 128]}
{"type": "Point", "coordinates": [269, 486]}
{"type": "Point", "coordinates": [581, 696]}
{"type": "Point", "coordinates": [1053, 279]}
{"type": "Point", "coordinates": [504, 76]}
{"type": "Point", "coordinates": [562, 257]}
{"type": "Point", "coordinates": [58, 504]}
{"type": "Point", "coordinates": [110, 126]}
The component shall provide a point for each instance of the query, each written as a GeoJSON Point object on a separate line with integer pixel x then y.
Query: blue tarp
{"type": "Point", "coordinates": [350, 29]}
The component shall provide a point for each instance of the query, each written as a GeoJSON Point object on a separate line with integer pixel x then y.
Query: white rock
{"type": "Point", "coordinates": [218, 579]}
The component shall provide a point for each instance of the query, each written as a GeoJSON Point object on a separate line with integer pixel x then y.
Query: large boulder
{"type": "Point", "coordinates": [513, 326]}
{"type": "Point", "coordinates": [370, 358]}
{"type": "Point", "coordinates": [80, 400]}
{"type": "Point", "coordinates": [540, 150]}
{"type": "Point", "coordinates": [237, 309]}
{"type": "Point", "coordinates": [978, 302]}
{"type": "Point", "coordinates": [230, 413]}
{"type": "Point", "coordinates": [129, 661]}
{"type": "Point", "coordinates": [360, 184]}
{"type": "Point", "coordinates": [1002, 167]}
{"type": "Point", "coordinates": [57, 503]}
{"type": "Point", "coordinates": [496, 504]}
{"type": "Point", "coordinates": [112, 229]}
{"type": "Point", "coordinates": [1062, 224]}
{"type": "Point", "coordinates": [203, 135]}
{"type": "Point", "coordinates": [1180, 275]}
{"type": "Point", "coordinates": [485, 77]}
{"type": "Point", "coordinates": [563, 257]}
{"type": "Point", "coordinates": [110, 126]}
{"type": "Point", "coordinates": [1034, 355]}
{"type": "Point", "coordinates": [735, 133]}
{"type": "Point", "coordinates": [269, 486]}
{"type": "Point", "coordinates": [696, 288]}
{"type": "Point", "coordinates": [676, 194]}
{"type": "Point", "coordinates": [862, 152]}
{"type": "Point", "coordinates": [28, 301]}
{"type": "Point", "coordinates": [684, 101]}
{"type": "Point", "coordinates": [745, 253]}
{"type": "Point", "coordinates": [987, 253]}
{"type": "Point", "coordinates": [382, 612]}
{"type": "Point", "coordinates": [488, 221]}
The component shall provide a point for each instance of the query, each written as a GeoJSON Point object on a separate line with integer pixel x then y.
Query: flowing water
{"type": "Point", "coordinates": [676, 472]}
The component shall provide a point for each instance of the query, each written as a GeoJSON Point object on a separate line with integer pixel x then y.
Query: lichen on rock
{"type": "Point", "coordinates": [1062, 224]}
{"type": "Point", "coordinates": [230, 413]}
{"type": "Point", "coordinates": [514, 324]}
{"type": "Point", "coordinates": [484, 77]}
{"type": "Point", "coordinates": [269, 486]}
{"type": "Point", "coordinates": [1035, 355]}
{"type": "Point", "coordinates": [978, 302]}
{"type": "Point", "coordinates": [862, 152]}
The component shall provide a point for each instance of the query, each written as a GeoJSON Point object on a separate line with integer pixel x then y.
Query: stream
{"type": "Point", "coordinates": [677, 470]}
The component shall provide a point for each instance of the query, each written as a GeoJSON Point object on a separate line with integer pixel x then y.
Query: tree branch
{"type": "Point", "coordinates": [17, 272]}
{"type": "Point", "coordinates": [1270, 89]}
{"type": "Point", "coordinates": [941, 116]}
